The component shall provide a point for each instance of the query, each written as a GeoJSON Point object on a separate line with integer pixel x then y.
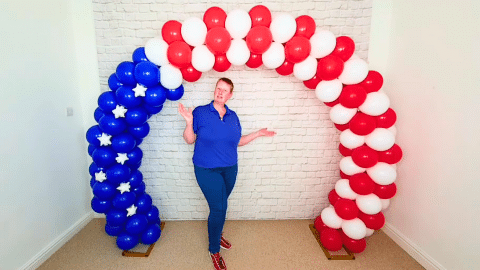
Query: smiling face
{"type": "Point", "coordinates": [222, 92]}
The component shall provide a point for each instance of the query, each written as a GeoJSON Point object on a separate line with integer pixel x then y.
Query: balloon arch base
{"type": "Point", "coordinates": [330, 256]}
{"type": "Point", "coordinates": [129, 253]}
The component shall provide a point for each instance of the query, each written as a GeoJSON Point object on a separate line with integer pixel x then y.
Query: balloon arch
{"type": "Point", "coordinates": [322, 61]}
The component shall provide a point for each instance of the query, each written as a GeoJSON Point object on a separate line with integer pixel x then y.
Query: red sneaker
{"type": "Point", "coordinates": [224, 243]}
{"type": "Point", "coordinates": [218, 261]}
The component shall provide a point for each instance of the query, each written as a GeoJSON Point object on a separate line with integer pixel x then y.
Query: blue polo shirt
{"type": "Point", "coordinates": [217, 140]}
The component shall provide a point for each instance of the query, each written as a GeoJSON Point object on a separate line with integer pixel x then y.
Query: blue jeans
{"type": "Point", "coordinates": [216, 184]}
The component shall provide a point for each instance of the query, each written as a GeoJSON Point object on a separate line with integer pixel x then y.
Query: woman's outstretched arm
{"type": "Point", "coordinates": [245, 139]}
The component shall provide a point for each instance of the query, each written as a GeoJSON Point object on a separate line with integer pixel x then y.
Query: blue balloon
{"type": "Point", "coordinates": [112, 230]}
{"type": "Point", "coordinates": [123, 201]}
{"type": "Point", "coordinates": [140, 189]}
{"type": "Point", "coordinates": [104, 157]}
{"type": "Point", "coordinates": [124, 73]}
{"type": "Point", "coordinates": [135, 166]}
{"type": "Point", "coordinates": [139, 141]}
{"type": "Point", "coordinates": [107, 101]}
{"type": "Point", "coordinates": [136, 117]}
{"type": "Point", "coordinates": [139, 132]}
{"type": "Point", "coordinates": [127, 241]}
{"type": "Point", "coordinates": [113, 82]}
{"type": "Point", "coordinates": [92, 182]}
{"type": "Point", "coordinates": [104, 190]}
{"type": "Point", "coordinates": [153, 214]}
{"type": "Point", "coordinates": [91, 148]}
{"type": "Point", "coordinates": [151, 234]}
{"type": "Point", "coordinates": [136, 224]}
{"type": "Point", "coordinates": [118, 173]}
{"type": "Point", "coordinates": [92, 135]}
{"type": "Point", "coordinates": [135, 156]}
{"type": "Point", "coordinates": [94, 169]}
{"type": "Point", "coordinates": [126, 97]}
{"type": "Point", "coordinates": [139, 55]}
{"type": "Point", "coordinates": [123, 143]}
{"type": "Point", "coordinates": [116, 217]}
{"type": "Point", "coordinates": [151, 109]}
{"type": "Point", "coordinates": [175, 94]}
{"type": "Point", "coordinates": [156, 96]}
{"type": "Point", "coordinates": [144, 203]}
{"type": "Point", "coordinates": [112, 125]}
{"type": "Point", "coordinates": [98, 114]}
{"type": "Point", "coordinates": [101, 206]}
{"type": "Point", "coordinates": [147, 73]}
{"type": "Point", "coordinates": [136, 178]}
{"type": "Point", "coordinates": [158, 221]}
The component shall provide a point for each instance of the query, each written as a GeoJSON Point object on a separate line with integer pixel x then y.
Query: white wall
{"type": "Point", "coordinates": [44, 190]}
{"type": "Point", "coordinates": [429, 53]}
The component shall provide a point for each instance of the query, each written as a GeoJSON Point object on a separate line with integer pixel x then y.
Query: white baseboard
{"type": "Point", "coordinates": [411, 248]}
{"type": "Point", "coordinates": [51, 248]}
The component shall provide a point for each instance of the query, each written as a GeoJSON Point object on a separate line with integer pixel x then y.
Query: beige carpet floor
{"type": "Point", "coordinates": [272, 244]}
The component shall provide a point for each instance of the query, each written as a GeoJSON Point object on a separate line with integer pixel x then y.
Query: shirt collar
{"type": "Point", "coordinates": [212, 108]}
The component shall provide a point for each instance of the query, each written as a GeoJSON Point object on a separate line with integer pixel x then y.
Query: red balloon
{"type": "Point", "coordinates": [254, 61]}
{"type": "Point", "coordinates": [385, 191]}
{"type": "Point", "coordinates": [387, 119]}
{"type": "Point", "coordinates": [214, 17]}
{"type": "Point", "coordinates": [391, 156]}
{"type": "Point", "coordinates": [331, 239]}
{"type": "Point", "coordinates": [362, 124]}
{"type": "Point", "coordinates": [285, 69]}
{"type": "Point", "coordinates": [333, 103]}
{"type": "Point", "coordinates": [346, 209]}
{"type": "Point", "coordinates": [259, 39]}
{"type": "Point", "coordinates": [355, 246]}
{"type": "Point", "coordinates": [338, 126]}
{"type": "Point", "coordinates": [172, 31]}
{"type": "Point", "coordinates": [179, 54]}
{"type": "Point", "coordinates": [221, 63]}
{"type": "Point", "coordinates": [218, 40]}
{"type": "Point", "coordinates": [297, 49]}
{"type": "Point", "coordinates": [344, 151]}
{"type": "Point", "coordinates": [344, 175]}
{"type": "Point", "coordinates": [319, 225]}
{"type": "Point", "coordinates": [305, 26]}
{"type": "Point", "coordinates": [374, 222]}
{"type": "Point", "coordinates": [260, 15]}
{"type": "Point", "coordinates": [373, 82]}
{"type": "Point", "coordinates": [362, 184]}
{"type": "Point", "coordinates": [329, 67]}
{"type": "Point", "coordinates": [364, 156]}
{"type": "Point", "coordinates": [312, 83]}
{"type": "Point", "coordinates": [190, 74]}
{"type": "Point", "coordinates": [352, 96]}
{"type": "Point", "coordinates": [345, 48]}
{"type": "Point", "coordinates": [333, 197]}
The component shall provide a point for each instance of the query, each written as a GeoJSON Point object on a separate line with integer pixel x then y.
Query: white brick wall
{"type": "Point", "coordinates": [284, 177]}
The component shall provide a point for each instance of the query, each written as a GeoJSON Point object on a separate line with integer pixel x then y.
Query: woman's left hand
{"type": "Point", "coordinates": [265, 132]}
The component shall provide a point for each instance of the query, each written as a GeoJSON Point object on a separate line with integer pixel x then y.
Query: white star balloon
{"type": "Point", "coordinates": [132, 210]}
{"type": "Point", "coordinates": [104, 139]}
{"type": "Point", "coordinates": [121, 158]}
{"type": "Point", "coordinates": [139, 90]}
{"type": "Point", "coordinates": [124, 187]}
{"type": "Point", "coordinates": [100, 176]}
{"type": "Point", "coordinates": [119, 111]}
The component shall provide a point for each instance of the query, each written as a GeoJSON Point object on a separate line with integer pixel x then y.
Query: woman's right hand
{"type": "Point", "coordinates": [186, 113]}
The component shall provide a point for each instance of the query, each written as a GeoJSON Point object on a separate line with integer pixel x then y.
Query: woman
{"type": "Point", "coordinates": [217, 133]}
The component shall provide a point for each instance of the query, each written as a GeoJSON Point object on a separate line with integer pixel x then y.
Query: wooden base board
{"type": "Point", "coordinates": [127, 253]}
{"type": "Point", "coordinates": [349, 256]}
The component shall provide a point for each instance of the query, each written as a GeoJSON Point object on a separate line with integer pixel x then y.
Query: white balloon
{"type": "Point", "coordinates": [306, 69]}
{"type": "Point", "coordinates": [156, 51]}
{"type": "Point", "coordinates": [382, 173]}
{"type": "Point", "coordinates": [369, 204]}
{"type": "Point", "coordinates": [328, 91]}
{"type": "Point", "coordinates": [369, 232]}
{"type": "Point", "coordinates": [283, 27]}
{"type": "Point", "coordinates": [341, 115]}
{"type": "Point", "coordinates": [354, 228]}
{"type": "Point", "coordinates": [274, 56]}
{"type": "Point", "coordinates": [380, 139]}
{"type": "Point", "coordinates": [385, 203]}
{"type": "Point", "coordinates": [351, 140]}
{"type": "Point", "coordinates": [393, 130]}
{"type": "Point", "coordinates": [354, 71]}
{"type": "Point", "coordinates": [330, 218]}
{"type": "Point", "coordinates": [202, 59]}
{"type": "Point", "coordinates": [343, 189]}
{"type": "Point", "coordinates": [323, 43]}
{"type": "Point", "coordinates": [194, 31]}
{"type": "Point", "coordinates": [238, 53]}
{"type": "Point", "coordinates": [170, 76]}
{"type": "Point", "coordinates": [238, 23]}
{"type": "Point", "coordinates": [375, 104]}
{"type": "Point", "coordinates": [349, 167]}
